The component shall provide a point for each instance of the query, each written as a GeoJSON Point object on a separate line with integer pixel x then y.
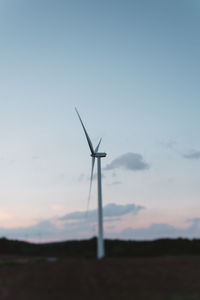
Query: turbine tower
{"type": "Point", "coordinates": [98, 155]}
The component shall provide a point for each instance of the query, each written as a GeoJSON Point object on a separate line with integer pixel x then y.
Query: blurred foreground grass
{"type": "Point", "coordinates": [170, 296]}
{"type": "Point", "coordinates": [58, 278]}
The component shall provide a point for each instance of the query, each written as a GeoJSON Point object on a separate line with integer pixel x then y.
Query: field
{"type": "Point", "coordinates": [165, 269]}
{"type": "Point", "coordinates": [31, 278]}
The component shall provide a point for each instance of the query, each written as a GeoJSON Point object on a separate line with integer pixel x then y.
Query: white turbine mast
{"type": "Point", "coordinates": [98, 155]}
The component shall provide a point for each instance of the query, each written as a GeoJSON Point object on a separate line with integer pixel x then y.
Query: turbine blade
{"type": "Point", "coordinates": [86, 134]}
{"type": "Point", "coordinates": [91, 178]}
{"type": "Point", "coordinates": [97, 147]}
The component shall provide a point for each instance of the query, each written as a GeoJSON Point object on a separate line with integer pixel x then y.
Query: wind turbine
{"type": "Point", "coordinates": [98, 155]}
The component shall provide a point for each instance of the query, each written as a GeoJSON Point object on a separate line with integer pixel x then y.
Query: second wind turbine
{"type": "Point", "coordinates": [98, 155]}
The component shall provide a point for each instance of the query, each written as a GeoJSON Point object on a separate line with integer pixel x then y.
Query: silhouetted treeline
{"type": "Point", "coordinates": [114, 248]}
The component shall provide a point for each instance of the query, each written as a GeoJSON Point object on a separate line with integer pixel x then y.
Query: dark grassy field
{"type": "Point", "coordinates": [159, 270]}
{"type": "Point", "coordinates": [171, 278]}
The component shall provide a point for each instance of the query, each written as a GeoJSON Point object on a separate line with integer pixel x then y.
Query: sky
{"type": "Point", "coordinates": [132, 69]}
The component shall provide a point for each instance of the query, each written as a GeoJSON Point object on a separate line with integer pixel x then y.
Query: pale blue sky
{"type": "Point", "coordinates": [132, 68]}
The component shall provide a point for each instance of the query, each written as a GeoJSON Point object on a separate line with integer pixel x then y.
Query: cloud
{"type": "Point", "coordinates": [194, 154]}
{"type": "Point", "coordinates": [161, 230]}
{"type": "Point", "coordinates": [81, 228]}
{"type": "Point", "coordinates": [194, 220]}
{"type": "Point", "coordinates": [47, 228]}
{"type": "Point", "coordinates": [72, 226]}
{"type": "Point", "coordinates": [116, 210]}
{"type": "Point", "coordinates": [109, 210]}
{"type": "Point", "coordinates": [195, 224]}
{"type": "Point", "coordinates": [77, 215]}
{"type": "Point", "coordinates": [129, 161]}
{"type": "Point", "coordinates": [169, 144]}
{"type": "Point", "coordinates": [154, 230]}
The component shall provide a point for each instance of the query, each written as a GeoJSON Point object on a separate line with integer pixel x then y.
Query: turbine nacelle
{"type": "Point", "coordinates": [99, 154]}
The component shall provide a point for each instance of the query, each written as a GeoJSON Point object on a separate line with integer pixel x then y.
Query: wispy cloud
{"type": "Point", "coordinates": [194, 154]}
{"type": "Point", "coordinates": [130, 161]}
{"type": "Point", "coordinates": [73, 225]}
{"type": "Point", "coordinates": [49, 230]}
{"type": "Point", "coordinates": [109, 210]}
{"type": "Point", "coordinates": [116, 210]}
{"type": "Point", "coordinates": [169, 144]}
{"type": "Point", "coordinates": [82, 228]}
{"type": "Point", "coordinates": [162, 230]}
